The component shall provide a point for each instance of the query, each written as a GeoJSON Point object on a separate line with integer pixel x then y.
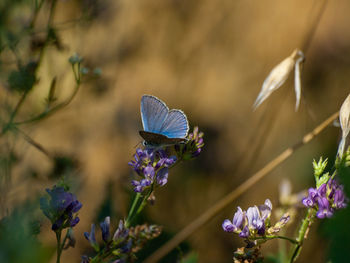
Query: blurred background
{"type": "Point", "coordinates": [208, 58]}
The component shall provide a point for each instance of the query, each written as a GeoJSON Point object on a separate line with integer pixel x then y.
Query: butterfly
{"type": "Point", "coordinates": [162, 126]}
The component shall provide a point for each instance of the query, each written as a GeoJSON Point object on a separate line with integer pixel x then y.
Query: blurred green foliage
{"type": "Point", "coordinates": [18, 242]}
{"type": "Point", "coordinates": [23, 79]}
{"type": "Point", "coordinates": [337, 229]}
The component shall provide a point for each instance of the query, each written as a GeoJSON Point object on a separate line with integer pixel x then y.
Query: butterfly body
{"type": "Point", "coordinates": [161, 125]}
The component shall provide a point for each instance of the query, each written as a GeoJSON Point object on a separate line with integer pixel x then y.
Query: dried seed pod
{"type": "Point", "coordinates": [344, 118]}
{"type": "Point", "coordinates": [279, 75]}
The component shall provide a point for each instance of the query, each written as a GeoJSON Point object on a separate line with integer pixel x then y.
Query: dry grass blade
{"type": "Point", "coordinates": [228, 199]}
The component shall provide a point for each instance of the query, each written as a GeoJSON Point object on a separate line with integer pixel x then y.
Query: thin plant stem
{"type": "Point", "coordinates": [133, 209]}
{"type": "Point", "coordinates": [293, 241]}
{"type": "Point", "coordinates": [303, 231]}
{"type": "Point", "coordinates": [137, 206]}
{"type": "Point", "coordinates": [229, 198]}
{"type": "Point", "coordinates": [59, 250]}
{"type": "Point", "coordinates": [144, 202]}
{"type": "Point", "coordinates": [47, 112]}
{"type": "Point", "coordinates": [41, 55]}
{"type": "Point", "coordinates": [312, 29]}
{"type": "Point", "coordinates": [34, 143]}
{"type": "Point", "coordinates": [36, 13]}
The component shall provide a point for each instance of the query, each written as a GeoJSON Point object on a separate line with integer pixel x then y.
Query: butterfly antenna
{"type": "Point", "coordinates": [139, 143]}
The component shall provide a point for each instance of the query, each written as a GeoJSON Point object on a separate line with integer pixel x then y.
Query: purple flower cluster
{"type": "Point", "coordinates": [253, 222]}
{"type": "Point", "coordinates": [327, 198]}
{"type": "Point", "coordinates": [152, 165]}
{"type": "Point", "coordinates": [193, 147]}
{"type": "Point", "coordinates": [61, 208]}
{"type": "Point", "coordinates": [118, 238]}
{"type": "Point", "coordinates": [124, 242]}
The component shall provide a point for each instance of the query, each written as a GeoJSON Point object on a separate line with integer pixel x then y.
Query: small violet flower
{"type": "Point", "coordinates": [327, 198]}
{"type": "Point", "coordinates": [60, 208]}
{"type": "Point", "coordinates": [152, 165]}
{"type": "Point", "coordinates": [193, 147]}
{"type": "Point", "coordinates": [105, 229]}
{"type": "Point", "coordinates": [123, 244]}
{"type": "Point", "coordinates": [254, 222]}
{"type": "Point", "coordinates": [235, 225]}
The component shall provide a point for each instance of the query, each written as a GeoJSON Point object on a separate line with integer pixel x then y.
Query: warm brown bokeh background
{"type": "Point", "coordinates": [208, 58]}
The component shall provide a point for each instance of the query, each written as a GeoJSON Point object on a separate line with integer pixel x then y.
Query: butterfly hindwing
{"type": "Point", "coordinates": [153, 113]}
{"type": "Point", "coordinates": [155, 139]}
{"type": "Point", "coordinates": [175, 125]}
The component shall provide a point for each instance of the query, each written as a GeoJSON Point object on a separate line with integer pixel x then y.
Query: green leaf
{"type": "Point", "coordinates": [190, 258]}
{"type": "Point", "coordinates": [23, 79]}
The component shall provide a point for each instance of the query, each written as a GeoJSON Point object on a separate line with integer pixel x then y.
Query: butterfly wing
{"type": "Point", "coordinates": [157, 139]}
{"type": "Point", "coordinates": [175, 125]}
{"type": "Point", "coordinates": [153, 113]}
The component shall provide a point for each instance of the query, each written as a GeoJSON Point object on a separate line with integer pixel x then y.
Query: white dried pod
{"type": "Point", "coordinates": [297, 79]}
{"type": "Point", "coordinates": [344, 119]}
{"type": "Point", "coordinates": [279, 75]}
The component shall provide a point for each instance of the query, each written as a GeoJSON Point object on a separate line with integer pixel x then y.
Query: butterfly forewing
{"type": "Point", "coordinates": [153, 113]}
{"type": "Point", "coordinates": [175, 125]}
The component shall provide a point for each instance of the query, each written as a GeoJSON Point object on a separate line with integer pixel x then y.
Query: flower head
{"type": "Point", "coordinates": [152, 165]}
{"type": "Point", "coordinates": [193, 147]}
{"type": "Point", "coordinates": [61, 208]}
{"type": "Point", "coordinates": [124, 243]}
{"type": "Point", "coordinates": [327, 198]}
{"type": "Point", "coordinates": [254, 222]}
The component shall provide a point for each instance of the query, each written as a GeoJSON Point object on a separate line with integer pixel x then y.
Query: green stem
{"type": "Point", "coordinates": [303, 231]}
{"type": "Point", "coordinates": [41, 55]}
{"type": "Point", "coordinates": [59, 247]}
{"type": "Point", "coordinates": [132, 210]}
{"type": "Point", "coordinates": [293, 241]}
{"type": "Point", "coordinates": [137, 206]}
{"type": "Point", "coordinates": [144, 201]}
{"type": "Point", "coordinates": [49, 112]}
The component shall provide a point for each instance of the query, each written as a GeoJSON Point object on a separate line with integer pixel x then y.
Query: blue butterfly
{"type": "Point", "coordinates": [162, 126]}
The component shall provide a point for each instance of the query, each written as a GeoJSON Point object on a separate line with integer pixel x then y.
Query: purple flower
{"type": "Point", "coordinates": [324, 209]}
{"type": "Point", "coordinates": [236, 224]}
{"type": "Point", "coordinates": [322, 190]}
{"type": "Point", "coordinates": [91, 238]}
{"type": "Point", "coordinates": [245, 232]}
{"type": "Point", "coordinates": [121, 233]}
{"type": "Point", "coordinates": [149, 172]}
{"type": "Point", "coordinates": [105, 229]}
{"type": "Point", "coordinates": [308, 202]}
{"type": "Point", "coordinates": [60, 209]}
{"type": "Point", "coordinates": [162, 176]}
{"type": "Point", "coordinates": [339, 199]}
{"type": "Point", "coordinates": [227, 226]}
{"type": "Point", "coordinates": [326, 198]}
{"type": "Point", "coordinates": [265, 209]}
{"type": "Point", "coordinates": [238, 218]}
{"type": "Point", "coordinates": [152, 165]}
{"type": "Point", "coordinates": [84, 259]}
{"type": "Point", "coordinates": [193, 146]}
{"type": "Point", "coordinates": [253, 222]}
